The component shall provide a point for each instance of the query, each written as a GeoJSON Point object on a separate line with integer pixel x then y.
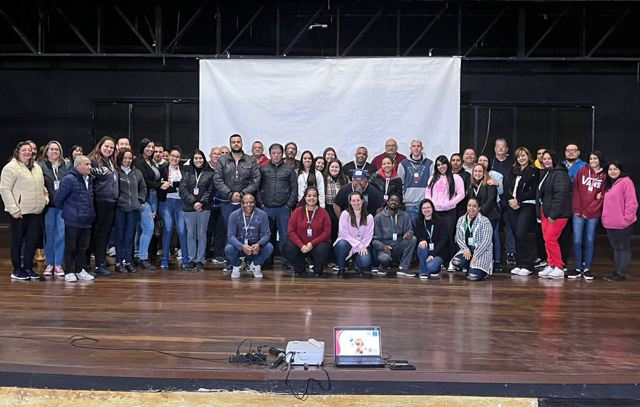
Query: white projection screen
{"type": "Point", "coordinates": [341, 102]}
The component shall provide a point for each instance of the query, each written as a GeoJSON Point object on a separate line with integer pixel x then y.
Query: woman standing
{"type": "Point", "coordinates": [308, 235]}
{"type": "Point", "coordinates": [76, 150]}
{"type": "Point", "coordinates": [310, 177]}
{"type": "Point", "coordinates": [457, 168]}
{"type": "Point", "coordinates": [196, 188]}
{"type": "Point", "coordinates": [553, 203]}
{"type": "Point", "coordinates": [618, 216]}
{"type": "Point", "coordinates": [334, 180]}
{"type": "Point", "coordinates": [321, 164]}
{"type": "Point", "coordinates": [170, 208]}
{"type": "Point", "coordinates": [588, 186]}
{"type": "Point", "coordinates": [432, 237]}
{"type": "Point", "coordinates": [133, 192]}
{"type": "Point", "coordinates": [354, 235]}
{"type": "Point", "coordinates": [474, 236]}
{"type": "Point", "coordinates": [386, 179]}
{"type": "Point", "coordinates": [151, 173]}
{"type": "Point", "coordinates": [519, 193]}
{"type": "Point", "coordinates": [53, 168]}
{"type": "Point", "coordinates": [25, 197]}
{"type": "Point", "coordinates": [329, 154]}
{"type": "Point", "coordinates": [484, 188]}
{"type": "Point", "coordinates": [105, 191]}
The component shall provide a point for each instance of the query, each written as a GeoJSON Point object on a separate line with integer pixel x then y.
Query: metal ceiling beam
{"type": "Point", "coordinates": [547, 32]}
{"type": "Point", "coordinates": [609, 32]}
{"type": "Point", "coordinates": [247, 25]}
{"type": "Point", "coordinates": [133, 29]}
{"type": "Point", "coordinates": [75, 29]}
{"type": "Point", "coordinates": [184, 29]}
{"type": "Point", "coordinates": [304, 28]}
{"type": "Point", "coordinates": [484, 33]}
{"type": "Point", "coordinates": [425, 31]}
{"type": "Point", "coordinates": [363, 31]}
{"type": "Point", "coordinates": [18, 31]}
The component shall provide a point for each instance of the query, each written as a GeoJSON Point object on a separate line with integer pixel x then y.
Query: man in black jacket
{"type": "Point", "coordinates": [278, 193]}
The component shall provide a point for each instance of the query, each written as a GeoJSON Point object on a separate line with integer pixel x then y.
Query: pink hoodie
{"type": "Point", "coordinates": [440, 194]}
{"type": "Point", "coordinates": [620, 205]}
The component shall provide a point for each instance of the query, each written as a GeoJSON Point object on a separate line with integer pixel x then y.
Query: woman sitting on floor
{"type": "Point", "coordinates": [474, 236]}
{"type": "Point", "coordinates": [354, 235]}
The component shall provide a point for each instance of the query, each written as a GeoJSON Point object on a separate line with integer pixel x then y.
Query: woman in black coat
{"type": "Point", "coordinates": [433, 239]}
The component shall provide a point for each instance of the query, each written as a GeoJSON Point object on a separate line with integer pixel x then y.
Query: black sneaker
{"type": "Point", "coordinates": [32, 274]}
{"type": "Point", "coordinates": [586, 274]}
{"type": "Point", "coordinates": [511, 258]}
{"type": "Point", "coordinates": [614, 277]}
{"type": "Point", "coordinates": [144, 264]}
{"type": "Point", "coordinates": [192, 266]}
{"type": "Point", "coordinates": [120, 268]}
{"type": "Point", "coordinates": [20, 275]}
{"type": "Point", "coordinates": [497, 267]}
{"type": "Point", "coordinates": [199, 266]}
{"type": "Point", "coordinates": [102, 271]}
{"type": "Point", "coordinates": [540, 263]}
{"type": "Point", "coordinates": [129, 268]}
{"type": "Point", "coordinates": [577, 273]}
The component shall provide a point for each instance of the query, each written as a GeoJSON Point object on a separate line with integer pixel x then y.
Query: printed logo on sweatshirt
{"type": "Point", "coordinates": [591, 183]}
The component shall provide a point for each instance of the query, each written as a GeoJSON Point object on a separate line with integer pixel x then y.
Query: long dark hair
{"type": "Point", "coordinates": [96, 154]}
{"type": "Point", "coordinates": [601, 159]}
{"type": "Point", "coordinates": [608, 183]}
{"type": "Point", "coordinates": [555, 158]}
{"type": "Point", "coordinates": [341, 179]}
{"type": "Point", "coordinates": [311, 178]}
{"type": "Point", "coordinates": [449, 174]}
{"type": "Point", "coordinates": [363, 212]}
{"type": "Point", "coordinates": [16, 153]}
{"type": "Point", "coordinates": [421, 215]}
{"type": "Point", "coordinates": [121, 154]}
{"type": "Point", "coordinates": [324, 153]}
{"type": "Point", "coordinates": [303, 203]}
{"type": "Point", "coordinates": [197, 151]}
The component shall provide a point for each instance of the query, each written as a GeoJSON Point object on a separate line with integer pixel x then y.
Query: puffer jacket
{"type": "Point", "coordinates": [279, 186]}
{"type": "Point", "coordinates": [105, 182]}
{"type": "Point", "coordinates": [75, 200]}
{"type": "Point", "coordinates": [133, 190]}
{"type": "Point", "coordinates": [554, 194]}
{"type": "Point", "coordinates": [23, 189]}
{"type": "Point", "coordinates": [188, 184]}
{"type": "Point", "coordinates": [228, 179]}
{"type": "Point", "coordinates": [50, 176]}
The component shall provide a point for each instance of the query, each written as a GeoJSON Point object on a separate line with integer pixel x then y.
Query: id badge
{"type": "Point", "coordinates": [196, 191]}
{"type": "Point", "coordinates": [472, 241]}
{"type": "Point", "coordinates": [56, 185]}
{"type": "Point", "coordinates": [309, 232]}
{"type": "Point", "coordinates": [431, 247]}
{"type": "Point", "coordinates": [395, 237]}
{"type": "Point", "coordinates": [386, 197]}
{"type": "Point", "coordinates": [246, 242]}
{"type": "Point", "coordinates": [115, 177]}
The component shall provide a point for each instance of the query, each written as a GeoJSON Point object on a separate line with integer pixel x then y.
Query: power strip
{"type": "Point", "coordinates": [255, 358]}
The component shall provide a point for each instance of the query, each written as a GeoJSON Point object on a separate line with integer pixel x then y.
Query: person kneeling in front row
{"type": "Point", "coordinates": [355, 232]}
{"type": "Point", "coordinates": [393, 238]}
{"type": "Point", "coordinates": [433, 241]}
{"type": "Point", "coordinates": [248, 235]}
{"type": "Point", "coordinates": [474, 236]}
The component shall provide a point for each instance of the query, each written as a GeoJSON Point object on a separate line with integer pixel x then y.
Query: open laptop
{"type": "Point", "coordinates": [358, 346]}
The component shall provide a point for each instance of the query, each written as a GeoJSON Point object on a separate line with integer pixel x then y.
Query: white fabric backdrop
{"type": "Point", "coordinates": [342, 102]}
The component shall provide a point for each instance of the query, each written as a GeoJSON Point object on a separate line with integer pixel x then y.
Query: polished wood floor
{"type": "Point", "coordinates": [508, 329]}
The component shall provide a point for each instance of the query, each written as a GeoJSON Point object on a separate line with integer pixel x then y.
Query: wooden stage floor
{"type": "Point", "coordinates": [509, 335]}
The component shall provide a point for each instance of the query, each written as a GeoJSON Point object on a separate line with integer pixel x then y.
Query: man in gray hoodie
{"type": "Point", "coordinates": [393, 238]}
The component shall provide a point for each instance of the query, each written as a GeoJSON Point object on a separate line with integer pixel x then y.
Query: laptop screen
{"type": "Point", "coordinates": [357, 341]}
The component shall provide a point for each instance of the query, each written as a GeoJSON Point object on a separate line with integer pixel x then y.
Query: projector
{"type": "Point", "coordinates": [309, 353]}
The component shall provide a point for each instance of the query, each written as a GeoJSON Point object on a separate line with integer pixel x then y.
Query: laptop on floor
{"type": "Point", "coordinates": [358, 346]}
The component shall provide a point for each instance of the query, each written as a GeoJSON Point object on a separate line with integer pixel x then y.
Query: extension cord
{"type": "Point", "coordinates": [248, 358]}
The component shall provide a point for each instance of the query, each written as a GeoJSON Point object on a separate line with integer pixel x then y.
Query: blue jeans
{"type": "Point", "coordinates": [473, 273]}
{"type": "Point", "coordinates": [234, 254]}
{"type": "Point", "coordinates": [227, 208]}
{"type": "Point", "coordinates": [197, 234]}
{"type": "Point", "coordinates": [428, 267]}
{"type": "Point", "coordinates": [146, 224]}
{"type": "Point", "coordinates": [580, 238]}
{"type": "Point", "coordinates": [54, 236]}
{"type": "Point", "coordinates": [125, 231]}
{"type": "Point", "coordinates": [281, 217]}
{"type": "Point", "coordinates": [412, 211]}
{"type": "Point", "coordinates": [509, 236]}
{"type": "Point", "coordinates": [342, 249]}
{"type": "Point", "coordinates": [172, 215]}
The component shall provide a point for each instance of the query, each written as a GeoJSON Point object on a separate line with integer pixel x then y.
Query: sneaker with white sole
{"type": "Point", "coordinates": [71, 277]}
{"type": "Point", "coordinates": [545, 272]}
{"type": "Point", "coordinates": [48, 271]}
{"type": "Point", "coordinates": [539, 263]}
{"type": "Point", "coordinates": [257, 270]}
{"type": "Point", "coordinates": [407, 273]}
{"type": "Point", "coordinates": [556, 273]}
{"type": "Point", "coordinates": [83, 275]}
{"type": "Point", "coordinates": [515, 271]}
{"type": "Point", "coordinates": [586, 274]}
{"type": "Point", "coordinates": [524, 272]}
{"type": "Point", "coordinates": [58, 271]}
{"type": "Point", "coordinates": [577, 273]}
{"type": "Point", "coordinates": [235, 272]}
{"type": "Point", "coordinates": [424, 276]}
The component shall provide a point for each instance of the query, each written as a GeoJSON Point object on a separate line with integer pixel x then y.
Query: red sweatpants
{"type": "Point", "coordinates": [551, 233]}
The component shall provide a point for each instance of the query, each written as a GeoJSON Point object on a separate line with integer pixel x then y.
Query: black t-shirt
{"type": "Point", "coordinates": [351, 165]}
{"type": "Point", "coordinates": [372, 196]}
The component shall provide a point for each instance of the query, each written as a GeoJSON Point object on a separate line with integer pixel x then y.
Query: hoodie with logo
{"type": "Point", "coordinates": [587, 184]}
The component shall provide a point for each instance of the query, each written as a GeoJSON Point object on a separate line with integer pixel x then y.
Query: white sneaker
{"type": "Point", "coordinates": [524, 272]}
{"type": "Point", "coordinates": [235, 273]}
{"type": "Point", "coordinates": [179, 254]}
{"type": "Point", "coordinates": [403, 273]}
{"type": "Point", "coordinates": [83, 275]}
{"type": "Point", "coordinates": [450, 268]}
{"type": "Point", "coordinates": [71, 277]}
{"type": "Point", "coordinates": [111, 252]}
{"type": "Point", "coordinates": [556, 273]}
{"type": "Point", "coordinates": [58, 271]}
{"type": "Point", "coordinates": [515, 271]}
{"type": "Point", "coordinates": [48, 271]}
{"type": "Point", "coordinates": [257, 270]}
{"type": "Point", "coordinates": [545, 272]}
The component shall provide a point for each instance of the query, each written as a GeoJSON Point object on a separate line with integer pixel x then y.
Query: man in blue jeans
{"type": "Point", "coordinates": [248, 235]}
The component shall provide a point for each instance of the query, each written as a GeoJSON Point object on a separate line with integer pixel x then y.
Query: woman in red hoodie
{"type": "Point", "coordinates": [587, 208]}
{"type": "Point", "coordinates": [309, 235]}
{"type": "Point", "coordinates": [618, 216]}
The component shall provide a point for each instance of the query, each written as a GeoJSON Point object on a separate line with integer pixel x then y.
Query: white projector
{"type": "Point", "coordinates": [309, 352]}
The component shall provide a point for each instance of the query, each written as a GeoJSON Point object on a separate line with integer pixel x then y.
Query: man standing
{"type": "Point", "coordinates": [393, 238]}
{"type": "Point", "coordinates": [257, 150]}
{"type": "Point", "coordinates": [360, 163]}
{"type": "Point", "coordinates": [359, 182]}
{"type": "Point", "coordinates": [216, 229]}
{"type": "Point", "coordinates": [75, 198]}
{"type": "Point", "coordinates": [390, 149]}
{"type": "Point", "coordinates": [572, 160]}
{"type": "Point", "coordinates": [123, 143]}
{"type": "Point", "coordinates": [158, 155]}
{"type": "Point", "coordinates": [235, 174]}
{"type": "Point", "coordinates": [278, 194]}
{"type": "Point", "coordinates": [469, 159]}
{"type": "Point", "coordinates": [249, 236]}
{"type": "Point", "coordinates": [290, 152]}
{"type": "Point", "coordinates": [414, 172]}
{"type": "Point", "coordinates": [503, 164]}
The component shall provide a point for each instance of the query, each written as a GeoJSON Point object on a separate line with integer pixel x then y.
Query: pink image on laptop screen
{"type": "Point", "coordinates": [357, 342]}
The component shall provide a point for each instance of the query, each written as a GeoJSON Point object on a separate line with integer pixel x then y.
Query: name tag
{"type": "Point", "coordinates": [395, 237]}
{"type": "Point", "coordinates": [56, 185]}
{"type": "Point", "coordinates": [431, 247]}
{"type": "Point", "coordinates": [385, 197]}
{"type": "Point", "coordinates": [115, 177]}
{"type": "Point", "coordinates": [309, 232]}
{"type": "Point", "coordinates": [471, 241]}
{"type": "Point", "coordinates": [246, 242]}
{"type": "Point", "coordinates": [196, 191]}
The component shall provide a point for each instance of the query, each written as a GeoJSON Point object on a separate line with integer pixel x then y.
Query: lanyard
{"type": "Point", "coordinates": [313, 215]}
{"type": "Point", "coordinates": [363, 165]}
{"type": "Point", "coordinates": [386, 185]}
{"type": "Point", "coordinates": [394, 219]}
{"type": "Point", "coordinates": [542, 182]}
{"type": "Point", "coordinates": [246, 226]}
{"type": "Point", "coordinates": [472, 229]}
{"type": "Point", "coordinates": [476, 190]}
{"type": "Point", "coordinates": [198, 178]}
{"type": "Point", "coordinates": [55, 171]}
{"type": "Point", "coordinates": [429, 231]}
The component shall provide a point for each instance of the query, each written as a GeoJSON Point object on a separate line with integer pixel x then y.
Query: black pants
{"type": "Point", "coordinates": [450, 220]}
{"type": "Point", "coordinates": [105, 212]}
{"type": "Point", "coordinates": [25, 231]}
{"type": "Point", "coordinates": [297, 259]}
{"type": "Point", "coordinates": [620, 240]}
{"type": "Point", "coordinates": [76, 243]}
{"type": "Point", "coordinates": [540, 249]}
{"type": "Point", "coordinates": [521, 221]}
{"type": "Point", "coordinates": [216, 234]}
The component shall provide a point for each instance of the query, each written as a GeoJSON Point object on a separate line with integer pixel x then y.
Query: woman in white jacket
{"type": "Point", "coordinates": [308, 176]}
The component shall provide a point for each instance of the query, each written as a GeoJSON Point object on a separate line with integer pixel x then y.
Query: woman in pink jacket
{"type": "Point", "coordinates": [355, 232]}
{"type": "Point", "coordinates": [618, 216]}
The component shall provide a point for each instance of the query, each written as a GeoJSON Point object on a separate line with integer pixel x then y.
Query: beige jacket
{"type": "Point", "coordinates": [23, 190]}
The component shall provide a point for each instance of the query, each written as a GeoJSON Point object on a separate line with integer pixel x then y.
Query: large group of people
{"type": "Point", "coordinates": [397, 215]}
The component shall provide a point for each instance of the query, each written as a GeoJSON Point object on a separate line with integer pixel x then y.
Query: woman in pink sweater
{"type": "Point", "coordinates": [618, 216]}
{"type": "Point", "coordinates": [355, 232]}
